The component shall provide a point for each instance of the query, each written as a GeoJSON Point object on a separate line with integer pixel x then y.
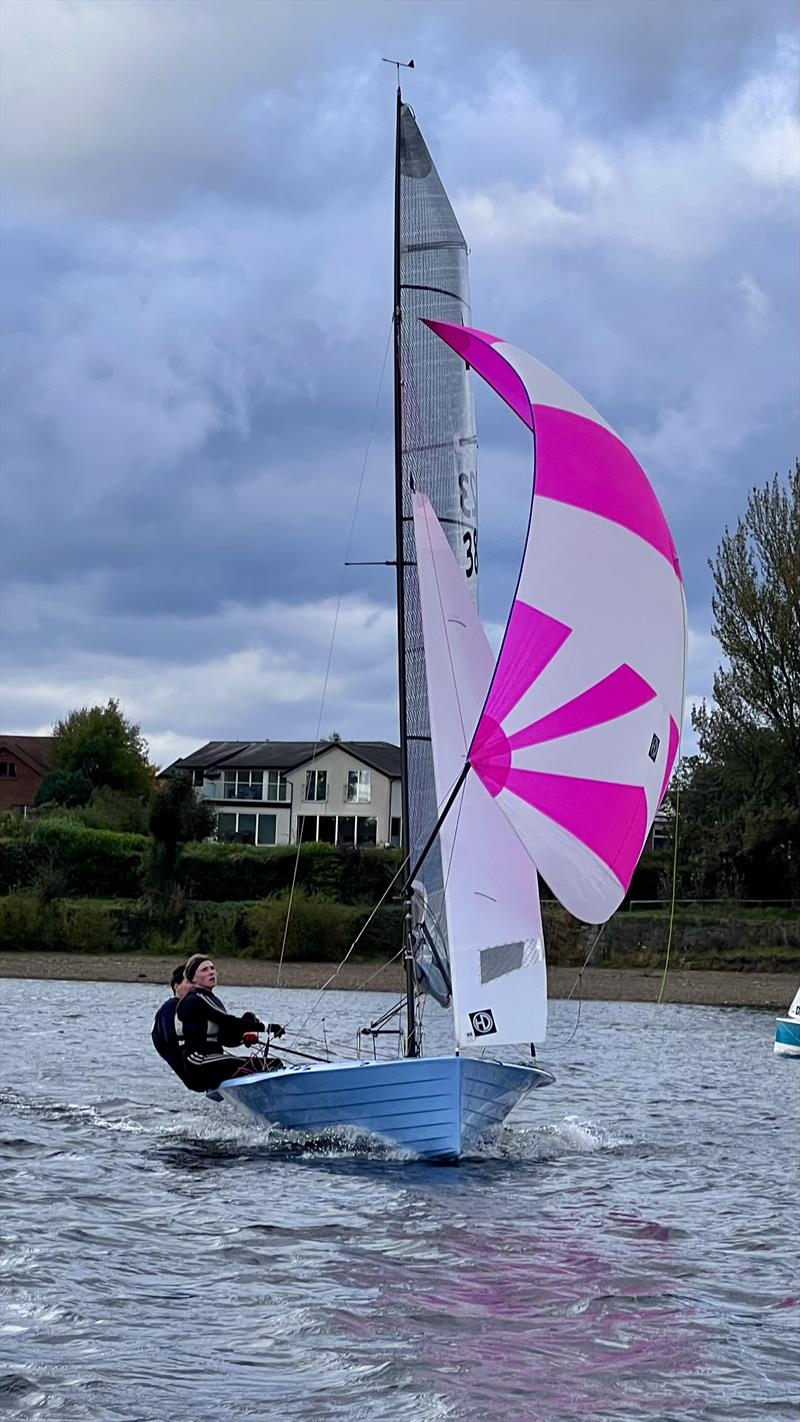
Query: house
{"type": "Point", "coordinates": [276, 792]}
{"type": "Point", "coordinates": [24, 762]}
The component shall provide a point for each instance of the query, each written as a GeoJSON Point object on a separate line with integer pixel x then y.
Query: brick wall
{"type": "Point", "coordinates": [20, 788]}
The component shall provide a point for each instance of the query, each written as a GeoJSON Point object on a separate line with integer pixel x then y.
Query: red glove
{"type": "Point", "coordinates": [249, 1039]}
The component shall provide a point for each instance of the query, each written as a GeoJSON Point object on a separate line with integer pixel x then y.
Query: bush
{"type": "Point", "coordinates": [94, 863]}
{"type": "Point", "coordinates": [320, 930]}
{"type": "Point", "coordinates": [230, 872]}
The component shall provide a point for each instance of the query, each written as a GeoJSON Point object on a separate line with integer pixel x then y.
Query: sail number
{"type": "Point", "coordinates": [468, 503]}
{"type": "Point", "coordinates": [470, 539]}
{"type": "Point", "coordinates": [468, 494]}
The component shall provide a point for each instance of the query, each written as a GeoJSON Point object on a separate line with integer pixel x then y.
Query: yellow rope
{"type": "Point", "coordinates": [674, 892]}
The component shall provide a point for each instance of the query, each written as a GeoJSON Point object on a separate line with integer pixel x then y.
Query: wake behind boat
{"type": "Point", "coordinates": [552, 760]}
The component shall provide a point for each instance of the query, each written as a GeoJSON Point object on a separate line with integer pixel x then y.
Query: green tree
{"type": "Point", "coordinates": [176, 818]}
{"type": "Point", "coordinates": [756, 607]}
{"type": "Point", "coordinates": [741, 807]}
{"type": "Point", "coordinates": [64, 787]}
{"type": "Point", "coordinates": [100, 743]}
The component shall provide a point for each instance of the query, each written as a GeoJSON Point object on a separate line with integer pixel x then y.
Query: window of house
{"type": "Point", "coordinates": [306, 828]}
{"type": "Point", "coordinates": [316, 785]}
{"type": "Point", "coordinates": [226, 828]}
{"type": "Point", "coordinates": [277, 786]}
{"type": "Point", "coordinates": [346, 830]}
{"type": "Point", "coordinates": [246, 829]}
{"type": "Point", "coordinates": [366, 830]}
{"type": "Point", "coordinates": [266, 829]}
{"type": "Point", "coordinates": [8, 769]}
{"type": "Point", "coordinates": [326, 829]}
{"type": "Point", "coordinates": [358, 790]}
{"type": "Point", "coordinates": [197, 777]}
{"type": "Point", "coordinates": [395, 831]}
{"type": "Point", "coordinates": [244, 785]}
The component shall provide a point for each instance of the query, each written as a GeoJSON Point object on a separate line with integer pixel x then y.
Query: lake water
{"type": "Point", "coordinates": [625, 1249]}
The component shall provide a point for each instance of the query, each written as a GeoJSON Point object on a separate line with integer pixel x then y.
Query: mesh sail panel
{"type": "Point", "coordinates": [439, 450]}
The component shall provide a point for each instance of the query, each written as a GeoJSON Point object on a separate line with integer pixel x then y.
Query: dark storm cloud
{"type": "Point", "coordinates": [196, 306]}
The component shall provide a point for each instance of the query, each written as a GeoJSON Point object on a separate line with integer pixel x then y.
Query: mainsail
{"type": "Point", "coordinates": [580, 729]}
{"type": "Point", "coordinates": [436, 454]}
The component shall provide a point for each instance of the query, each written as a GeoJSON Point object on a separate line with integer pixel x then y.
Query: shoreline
{"type": "Point", "coordinates": [700, 988]}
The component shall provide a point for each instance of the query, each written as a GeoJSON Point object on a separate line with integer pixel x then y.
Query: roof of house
{"type": "Point", "coordinates": [286, 755]}
{"type": "Point", "coordinates": [36, 750]}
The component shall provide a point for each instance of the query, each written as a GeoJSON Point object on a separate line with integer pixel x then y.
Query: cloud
{"type": "Point", "coordinates": [197, 296]}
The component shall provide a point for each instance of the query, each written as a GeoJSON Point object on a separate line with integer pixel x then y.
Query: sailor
{"type": "Point", "coordinates": [204, 1028]}
{"type": "Point", "coordinates": [163, 1033]}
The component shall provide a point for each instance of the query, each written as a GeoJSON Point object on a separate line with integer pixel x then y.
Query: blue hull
{"type": "Point", "coordinates": [787, 1036]}
{"type": "Point", "coordinates": [435, 1107]}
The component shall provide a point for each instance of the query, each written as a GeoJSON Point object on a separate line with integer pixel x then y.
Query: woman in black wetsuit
{"type": "Point", "coordinates": [204, 1028]}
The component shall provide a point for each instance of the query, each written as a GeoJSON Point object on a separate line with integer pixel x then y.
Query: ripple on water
{"type": "Point", "coordinates": [624, 1249]}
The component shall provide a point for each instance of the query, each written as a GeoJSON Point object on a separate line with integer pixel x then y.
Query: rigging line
{"type": "Point", "coordinates": [674, 891]}
{"type": "Point", "coordinates": [361, 932]}
{"type": "Point", "coordinates": [387, 964]}
{"type": "Point", "coordinates": [333, 637]}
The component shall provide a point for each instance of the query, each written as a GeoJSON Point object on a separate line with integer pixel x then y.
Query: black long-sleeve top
{"type": "Point", "coordinates": [204, 1026]}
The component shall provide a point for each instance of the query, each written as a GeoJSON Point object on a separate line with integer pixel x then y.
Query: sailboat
{"type": "Point", "coordinates": [787, 1030]}
{"type": "Point", "coordinates": [550, 759]}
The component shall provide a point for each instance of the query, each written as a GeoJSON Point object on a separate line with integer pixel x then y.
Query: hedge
{"type": "Point", "coordinates": [226, 872]}
{"type": "Point", "coordinates": [64, 859]}
{"type": "Point", "coordinates": [319, 930]}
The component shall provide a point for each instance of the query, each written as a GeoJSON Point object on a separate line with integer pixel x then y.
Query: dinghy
{"type": "Point", "coordinates": [553, 759]}
{"type": "Point", "coordinates": [787, 1030]}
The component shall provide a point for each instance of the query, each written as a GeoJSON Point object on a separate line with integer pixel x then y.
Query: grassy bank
{"type": "Point", "coordinates": [322, 930]}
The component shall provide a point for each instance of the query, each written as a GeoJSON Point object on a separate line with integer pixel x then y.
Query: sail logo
{"type": "Point", "coordinates": [653, 751]}
{"type": "Point", "coordinates": [482, 1023]}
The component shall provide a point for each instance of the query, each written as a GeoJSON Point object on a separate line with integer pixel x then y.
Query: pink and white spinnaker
{"type": "Point", "coordinates": [580, 729]}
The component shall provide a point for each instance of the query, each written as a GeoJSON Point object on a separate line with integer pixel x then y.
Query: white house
{"type": "Point", "coordinates": [274, 792]}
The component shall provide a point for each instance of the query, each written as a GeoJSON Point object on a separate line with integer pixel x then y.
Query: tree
{"type": "Point", "coordinates": [64, 787]}
{"type": "Point", "coordinates": [99, 743]}
{"type": "Point", "coordinates": [741, 809]}
{"type": "Point", "coordinates": [756, 607]}
{"type": "Point", "coordinates": [176, 817]}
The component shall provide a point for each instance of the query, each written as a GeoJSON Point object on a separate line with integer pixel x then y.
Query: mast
{"type": "Point", "coordinates": [412, 1044]}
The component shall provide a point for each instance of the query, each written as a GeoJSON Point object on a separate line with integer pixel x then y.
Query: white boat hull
{"type": "Point", "coordinates": [435, 1107]}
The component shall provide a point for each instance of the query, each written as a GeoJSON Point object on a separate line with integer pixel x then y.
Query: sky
{"type": "Point", "coordinates": [196, 302]}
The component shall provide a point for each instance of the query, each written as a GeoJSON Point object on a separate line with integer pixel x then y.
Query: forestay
{"type": "Point", "coordinates": [579, 732]}
{"type": "Point", "coordinates": [491, 891]}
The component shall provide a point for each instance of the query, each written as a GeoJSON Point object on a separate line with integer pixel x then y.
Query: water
{"type": "Point", "coordinates": [623, 1250]}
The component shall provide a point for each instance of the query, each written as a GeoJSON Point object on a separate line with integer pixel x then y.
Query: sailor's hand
{"type": "Point", "coordinates": [275, 1030]}
{"type": "Point", "coordinates": [251, 1022]}
{"type": "Point", "coordinates": [249, 1039]}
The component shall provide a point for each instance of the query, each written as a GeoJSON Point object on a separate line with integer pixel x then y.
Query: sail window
{"type": "Point", "coordinates": [358, 789]}
{"type": "Point", "coordinates": [502, 958]}
{"type": "Point", "coordinates": [316, 785]}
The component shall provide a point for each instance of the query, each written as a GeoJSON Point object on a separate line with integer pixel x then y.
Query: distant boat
{"type": "Point", "coordinates": [787, 1030]}
{"type": "Point", "coordinates": [555, 758]}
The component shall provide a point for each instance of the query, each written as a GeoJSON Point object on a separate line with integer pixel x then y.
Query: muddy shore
{"type": "Point", "coordinates": [710, 989]}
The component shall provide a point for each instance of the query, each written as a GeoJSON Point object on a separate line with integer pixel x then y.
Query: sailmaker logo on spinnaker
{"type": "Point", "coordinates": [482, 1022]}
